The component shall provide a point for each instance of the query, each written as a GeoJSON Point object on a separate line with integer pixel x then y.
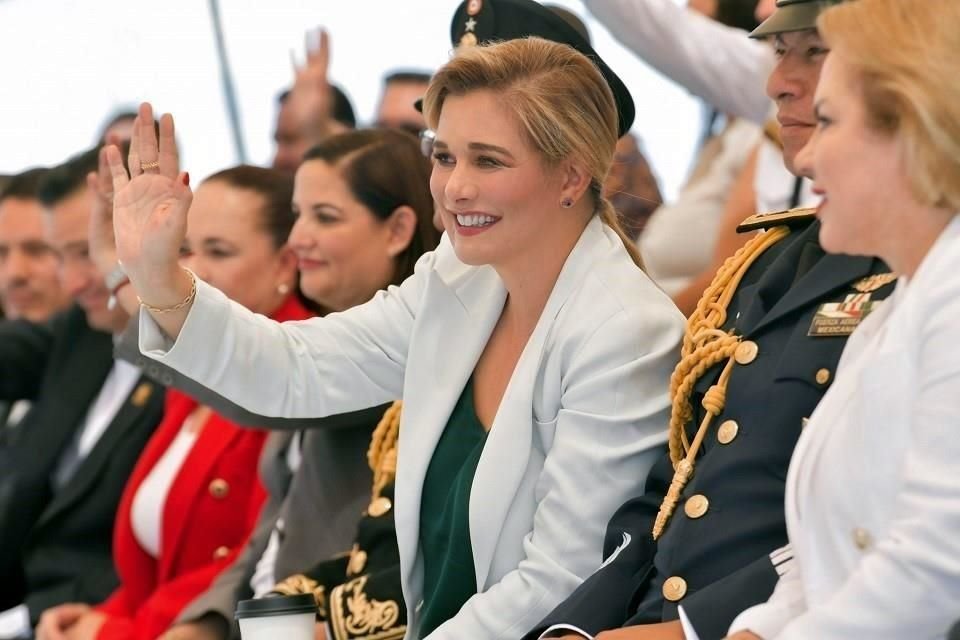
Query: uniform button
{"type": "Point", "coordinates": [862, 539]}
{"type": "Point", "coordinates": [696, 506]}
{"type": "Point", "coordinates": [746, 352]}
{"type": "Point", "coordinates": [823, 376]}
{"type": "Point", "coordinates": [804, 422]}
{"type": "Point", "coordinates": [674, 588]}
{"type": "Point", "coordinates": [379, 507]}
{"type": "Point", "coordinates": [219, 488]}
{"type": "Point", "coordinates": [357, 561]}
{"type": "Point", "coordinates": [728, 431]}
{"type": "Point", "coordinates": [221, 552]}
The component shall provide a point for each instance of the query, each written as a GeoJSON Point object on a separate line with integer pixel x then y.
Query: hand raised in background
{"type": "Point", "coordinates": [311, 98]}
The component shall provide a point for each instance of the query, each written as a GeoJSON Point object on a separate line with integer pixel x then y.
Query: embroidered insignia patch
{"type": "Point", "coordinates": [841, 318]}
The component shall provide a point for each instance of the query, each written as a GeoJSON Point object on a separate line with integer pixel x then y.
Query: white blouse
{"type": "Point", "coordinates": [146, 514]}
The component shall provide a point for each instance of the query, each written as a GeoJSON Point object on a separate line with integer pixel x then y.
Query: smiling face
{"type": "Point", "coordinates": [496, 198]}
{"type": "Point", "coordinates": [346, 254]}
{"type": "Point", "coordinates": [228, 246]}
{"type": "Point", "coordinates": [66, 225]}
{"type": "Point", "coordinates": [791, 85]}
{"type": "Point", "coordinates": [858, 170]}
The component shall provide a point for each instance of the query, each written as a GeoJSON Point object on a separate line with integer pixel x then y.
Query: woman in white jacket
{"type": "Point", "coordinates": [873, 492]}
{"type": "Point", "coordinates": [530, 350]}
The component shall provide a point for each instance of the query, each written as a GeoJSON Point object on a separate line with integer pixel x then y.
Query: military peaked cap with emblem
{"type": "Point", "coordinates": [482, 21]}
{"type": "Point", "coordinates": [793, 15]}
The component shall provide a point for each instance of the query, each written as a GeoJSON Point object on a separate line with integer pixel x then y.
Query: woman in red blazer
{"type": "Point", "coordinates": [194, 495]}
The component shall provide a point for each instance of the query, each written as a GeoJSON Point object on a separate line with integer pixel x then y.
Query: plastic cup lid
{"type": "Point", "coordinates": [276, 606]}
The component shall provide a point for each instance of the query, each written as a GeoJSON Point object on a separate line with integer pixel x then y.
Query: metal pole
{"type": "Point", "coordinates": [229, 93]}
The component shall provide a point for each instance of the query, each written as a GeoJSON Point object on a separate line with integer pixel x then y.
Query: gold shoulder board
{"type": "Point", "coordinates": [790, 218]}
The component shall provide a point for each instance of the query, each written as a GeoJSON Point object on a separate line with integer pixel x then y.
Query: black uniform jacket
{"type": "Point", "coordinates": [55, 546]}
{"type": "Point", "coordinates": [359, 592]}
{"type": "Point", "coordinates": [720, 561]}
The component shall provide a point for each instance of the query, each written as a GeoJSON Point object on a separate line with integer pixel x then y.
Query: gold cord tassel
{"type": "Point", "coordinates": [382, 454]}
{"type": "Point", "coordinates": [705, 344]}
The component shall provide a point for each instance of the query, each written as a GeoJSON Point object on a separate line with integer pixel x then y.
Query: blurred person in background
{"type": "Point", "coordinates": [293, 138]}
{"type": "Point", "coordinates": [679, 242]}
{"type": "Point", "coordinates": [29, 283]}
{"type": "Point", "coordinates": [632, 187]}
{"type": "Point", "coordinates": [398, 99]}
{"type": "Point", "coordinates": [118, 128]}
{"type": "Point", "coordinates": [90, 418]}
{"type": "Point", "coordinates": [194, 496]}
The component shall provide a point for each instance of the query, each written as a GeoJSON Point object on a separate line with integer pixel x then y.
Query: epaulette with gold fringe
{"type": "Point", "coordinates": [790, 218]}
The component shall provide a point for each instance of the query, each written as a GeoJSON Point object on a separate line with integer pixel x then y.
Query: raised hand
{"type": "Point", "coordinates": [311, 99]}
{"type": "Point", "coordinates": [150, 208]}
{"type": "Point", "coordinates": [103, 247]}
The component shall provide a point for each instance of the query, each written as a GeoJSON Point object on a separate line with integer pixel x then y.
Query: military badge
{"type": "Point", "coordinates": [874, 282]}
{"type": "Point", "coordinates": [841, 318]}
{"type": "Point", "coordinates": [141, 394]}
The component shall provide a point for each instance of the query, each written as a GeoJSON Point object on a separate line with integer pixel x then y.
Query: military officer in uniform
{"type": "Point", "coordinates": [707, 538]}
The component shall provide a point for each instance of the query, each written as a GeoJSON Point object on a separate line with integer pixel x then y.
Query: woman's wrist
{"type": "Point", "coordinates": [171, 290]}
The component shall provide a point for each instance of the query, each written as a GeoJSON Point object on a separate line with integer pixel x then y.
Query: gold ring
{"type": "Point", "coordinates": [149, 165]}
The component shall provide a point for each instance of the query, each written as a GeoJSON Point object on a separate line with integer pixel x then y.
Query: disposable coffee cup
{"type": "Point", "coordinates": [287, 617]}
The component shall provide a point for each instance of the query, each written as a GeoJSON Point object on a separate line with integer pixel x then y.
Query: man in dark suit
{"type": "Point", "coordinates": [91, 416]}
{"type": "Point", "coordinates": [29, 287]}
{"type": "Point", "coordinates": [706, 539]}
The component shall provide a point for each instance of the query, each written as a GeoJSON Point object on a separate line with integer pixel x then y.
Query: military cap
{"type": "Point", "coordinates": [793, 15]}
{"type": "Point", "coordinates": [481, 21]}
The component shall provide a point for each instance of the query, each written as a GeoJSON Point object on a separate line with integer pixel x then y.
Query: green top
{"type": "Point", "coordinates": [449, 578]}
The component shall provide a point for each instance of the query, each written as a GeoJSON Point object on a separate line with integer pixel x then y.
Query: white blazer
{"type": "Point", "coordinates": [581, 420]}
{"type": "Point", "coordinates": [873, 491]}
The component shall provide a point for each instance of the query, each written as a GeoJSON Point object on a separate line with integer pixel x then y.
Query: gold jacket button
{"type": "Point", "coordinates": [219, 488]}
{"type": "Point", "coordinates": [862, 539]}
{"type": "Point", "coordinates": [696, 506]}
{"type": "Point", "coordinates": [379, 507]}
{"type": "Point", "coordinates": [674, 588]}
{"type": "Point", "coordinates": [728, 432]}
{"type": "Point", "coordinates": [746, 352]}
{"type": "Point", "coordinates": [221, 552]}
{"type": "Point", "coordinates": [823, 377]}
{"type": "Point", "coordinates": [357, 561]}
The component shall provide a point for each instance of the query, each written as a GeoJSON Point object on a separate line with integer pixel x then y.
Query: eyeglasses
{"type": "Point", "coordinates": [427, 138]}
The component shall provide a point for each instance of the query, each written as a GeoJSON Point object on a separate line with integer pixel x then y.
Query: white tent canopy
{"type": "Point", "coordinates": [66, 65]}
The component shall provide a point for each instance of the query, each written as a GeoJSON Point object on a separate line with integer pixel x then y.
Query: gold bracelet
{"type": "Point", "coordinates": [180, 305]}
